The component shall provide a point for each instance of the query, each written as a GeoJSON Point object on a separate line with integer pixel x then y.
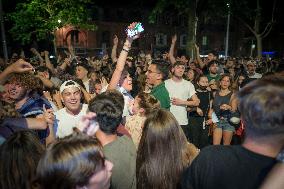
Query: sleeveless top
{"type": "Point", "coordinates": [218, 101]}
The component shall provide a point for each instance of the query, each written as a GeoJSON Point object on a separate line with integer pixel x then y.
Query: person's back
{"type": "Point", "coordinates": [122, 153]}
{"type": "Point", "coordinates": [247, 165]}
{"type": "Point", "coordinates": [231, 167]}
{"type": "Point", "coordinates": [163, 152]}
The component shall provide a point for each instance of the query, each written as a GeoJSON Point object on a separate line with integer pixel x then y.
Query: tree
{"type": "Point", "coordinates": [247, 12]}
{"type": "Point", "coordinates": [185, 7]}
{"type": "Point", "coordinates": [254, 21]}
{"type": "Point", "coordinates": [42, 17]}
{"type": "Point", "coordinates": [192, 10]}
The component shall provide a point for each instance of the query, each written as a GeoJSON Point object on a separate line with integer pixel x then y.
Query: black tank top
{"type": "Point", "coordinates": [218, 101]}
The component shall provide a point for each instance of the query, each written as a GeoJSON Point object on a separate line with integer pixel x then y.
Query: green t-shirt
{"type": "Point", "coordinates": [122, 153]}
{"type": "Point", "coordinates": [216, 78]}
{"type": "Point", "coordinates": [161, 93]}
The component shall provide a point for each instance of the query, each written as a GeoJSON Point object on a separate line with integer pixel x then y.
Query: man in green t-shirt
{"type": "Point", "coordinates": [213, 71]}
{"type": "Point", "coordinates": [120, 150]}
{"type": "Point", "coordinates": [157, 73]}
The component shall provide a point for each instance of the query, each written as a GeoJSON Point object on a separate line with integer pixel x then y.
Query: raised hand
{"type": "Point", "coordinates": [33, 50]}
{"type": "Point", "coordinates": [115, 40]}
{"type": "Point", "coordinates": [20, 66]}
{"type": "Point", "coordinates": [48, 115]}
{"type": "Point", "coordinates": [196, 47]}
{"type": "Point", "coordinates": [103, 82]}
{"type": "Point", "coordinates": [87, 124]}
{"type": "Point", "coordinates": [174, 39]}
{"type": "Point", "coordinates": [131, 33]}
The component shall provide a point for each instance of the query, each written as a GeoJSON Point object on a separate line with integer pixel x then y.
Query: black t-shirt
{"type": "Point", "coordinates": [227, 167]}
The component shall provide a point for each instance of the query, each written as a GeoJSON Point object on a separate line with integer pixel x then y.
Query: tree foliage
{"type": "Point", "coordinates": [43, 17]}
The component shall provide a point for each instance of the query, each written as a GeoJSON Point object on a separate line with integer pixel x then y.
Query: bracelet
{"type": "Point", "coordinates": [125, 50]}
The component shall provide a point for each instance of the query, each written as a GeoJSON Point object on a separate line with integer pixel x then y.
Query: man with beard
{"type": "Point", "coordinates": [69, 116]}
{"type": "Point", "coordinates": [213, 71]}
{"type": "Point", "coordinates": [180, 91]}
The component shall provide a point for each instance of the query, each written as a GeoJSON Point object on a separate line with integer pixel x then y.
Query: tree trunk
{"type": "Point", "coordinates": [54, 44]}
{"type": "Point", "coordinates": [259, 45]}
{"type": "Point", "coordinates": [192, 24]}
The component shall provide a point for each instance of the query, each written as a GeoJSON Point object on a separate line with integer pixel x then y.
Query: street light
{"type": "Point", "coordinates": [227, 32]}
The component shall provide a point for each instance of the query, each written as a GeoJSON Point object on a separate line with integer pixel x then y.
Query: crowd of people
{"type": "Point", "coordinates": [127, 122]}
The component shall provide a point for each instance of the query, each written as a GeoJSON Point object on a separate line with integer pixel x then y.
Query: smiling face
{"type": "Point", "coordinates": [203, 82]}
{"type": "Point", "coordinates": [71, 98]}
{"type": "Point", "coordinates": [5, 96]}
{"type": "Point", "coordinates": [17, 92]}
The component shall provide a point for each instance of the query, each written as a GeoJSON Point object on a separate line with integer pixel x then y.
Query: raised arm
{"type": "Point", "coordinates": [121, 60]}
{"type": "Point", "coordinates": [48, 63]}
{"type": "Point", "coordinates": [36, 53]}
{"type": "Point", "coordinates": [199, 61]}
{"type": "Point", "coordinates": [120, 65]}
{"type": "Point", "coordinates": [17, 67]}
{"type": "Point", "coordinates": [46, 82]}
{"type": "Point", "coordinates": [114, 49]}
{"type": "Point", "coordinates": [172, 48]}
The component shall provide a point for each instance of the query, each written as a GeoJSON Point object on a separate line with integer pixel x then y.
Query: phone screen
{"type": "Point", "coordinates": [136, 30]}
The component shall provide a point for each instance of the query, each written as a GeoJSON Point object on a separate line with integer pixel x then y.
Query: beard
{"type": "Point", "coordinates": [202, 87]}
{"type": "Point", "coordinates": [177, 76]}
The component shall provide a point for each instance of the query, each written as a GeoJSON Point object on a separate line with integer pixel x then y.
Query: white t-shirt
{"type": "Point", "coordinates": [255, 76]}
{"type": "Point", "coordinates": [65, 121]}
{"type": "Point", "coordinates": [87, 85]}
{"type": "Point", "coordinates": [182, 90]}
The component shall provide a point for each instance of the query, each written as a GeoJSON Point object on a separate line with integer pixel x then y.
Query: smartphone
{"type": "Point", "coordinates": [135, 31]}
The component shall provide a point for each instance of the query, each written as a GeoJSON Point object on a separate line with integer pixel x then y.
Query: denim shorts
{"type": "Point", "coordinates": [225, 125]}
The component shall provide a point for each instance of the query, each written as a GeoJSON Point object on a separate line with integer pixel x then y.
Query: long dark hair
{"type": "Point", "coordinates": [162, 152]}
{"type": "Point", "coordinates": [19, 156]}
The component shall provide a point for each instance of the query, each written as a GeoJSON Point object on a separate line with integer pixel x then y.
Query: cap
{"type": "Point", "coordinates": [68, 84]}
